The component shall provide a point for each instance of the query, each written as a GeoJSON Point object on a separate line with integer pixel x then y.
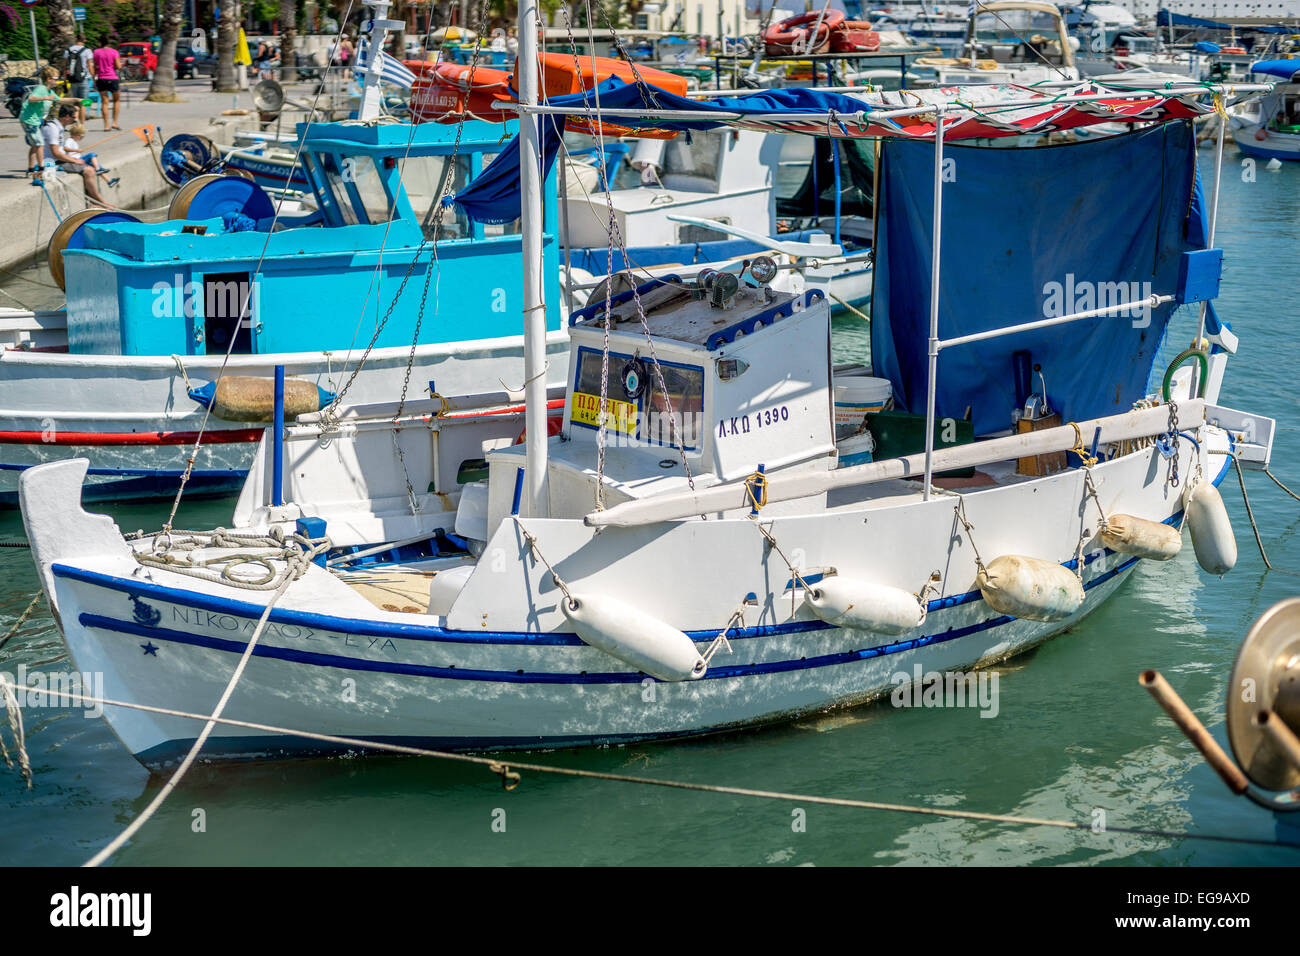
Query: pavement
{"type": "Point", "coordinates": [30, 216]}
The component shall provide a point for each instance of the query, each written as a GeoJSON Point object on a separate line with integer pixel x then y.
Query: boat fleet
{"type": "Point", "coordinates": [532, 395]}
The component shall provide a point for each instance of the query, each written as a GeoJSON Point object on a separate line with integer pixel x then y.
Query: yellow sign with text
{"type": "Point", "coordinates": [621, 416]}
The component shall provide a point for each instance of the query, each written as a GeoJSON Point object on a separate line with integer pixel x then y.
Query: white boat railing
{"type": "Point", "coordinates": [733, 495]}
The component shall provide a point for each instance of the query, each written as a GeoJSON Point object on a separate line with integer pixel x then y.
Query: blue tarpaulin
{"type": "Point", "coordinates": [493, 197]}
{"type": "Point", "coordinates": [1028, 234]}
{"type": "Point", "coordinates": [1283, 68]}
{"type": "Point", "coordinates": [1164, 18]}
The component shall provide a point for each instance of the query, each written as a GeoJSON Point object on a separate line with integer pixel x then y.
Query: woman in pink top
{"type": "Point", "coordinates": [105, 62]}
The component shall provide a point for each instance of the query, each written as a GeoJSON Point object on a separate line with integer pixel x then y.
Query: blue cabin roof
{"type": "Point", "coordinates": [376, 186]}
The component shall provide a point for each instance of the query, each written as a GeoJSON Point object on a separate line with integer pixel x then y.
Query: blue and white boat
{"type": "Point", "coordinates": [685, 556]}
{"type": "Point", "coordinates": [344, 299]}
{"type": "Point", "coordinates": [1274, 132]}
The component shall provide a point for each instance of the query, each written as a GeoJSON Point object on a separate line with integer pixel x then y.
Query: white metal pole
{"type": "Point", "coordinates": [932, 376]}
{"type": "Point", "coordinates": [36, 50]}
{"type": "Point", "coordinates": [534, 501]}
{"type": "Point", "coordinates": [1214, 211]}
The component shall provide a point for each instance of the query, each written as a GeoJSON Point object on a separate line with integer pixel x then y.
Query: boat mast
{"type": "Point", "coordinates": [534, 502]}
{"type": "Point", "coordinates": [371, 93]}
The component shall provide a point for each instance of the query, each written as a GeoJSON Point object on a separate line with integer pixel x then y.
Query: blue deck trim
{"type": "Point", "coordinates": [314, 658]}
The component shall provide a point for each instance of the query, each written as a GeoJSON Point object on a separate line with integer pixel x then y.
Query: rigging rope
{"type": "Point", "coordinates": [496, 766]}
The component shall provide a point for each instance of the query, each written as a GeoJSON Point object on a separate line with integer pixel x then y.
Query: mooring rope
{"type": "Point", "coordinates": [22, 619]}
{"type": "Point", "coordinates": [295, 567]}
{"type": "Point", "coordinates": [1259, 542]}
{"type": "Point", "coordinates": [509, 773]}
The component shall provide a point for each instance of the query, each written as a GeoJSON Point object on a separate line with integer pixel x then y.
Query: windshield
{"type": "Point", "coordinates": [1018, 36]}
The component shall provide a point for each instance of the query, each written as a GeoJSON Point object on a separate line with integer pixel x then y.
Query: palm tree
{"type": "Point", "coordinates": [163, 87]}
{"type": "Point", "coordinates": [63, 30]}
{"type": "Point", "coordinates": [288, 37]}
{"type": "Point", "coordinates": [227, 32]}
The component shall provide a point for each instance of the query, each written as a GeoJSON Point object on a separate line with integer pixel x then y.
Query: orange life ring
{"type": "Point", "coordinates": [790, 36]}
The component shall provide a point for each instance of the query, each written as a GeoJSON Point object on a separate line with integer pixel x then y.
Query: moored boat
{"type": "Point", "coordinates": [689, 540]}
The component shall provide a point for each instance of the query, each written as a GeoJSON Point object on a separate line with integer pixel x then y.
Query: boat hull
{"type": "Point", "coordinates": [504, 671]}
{"type": "Point", "coordinates": [132, 417]}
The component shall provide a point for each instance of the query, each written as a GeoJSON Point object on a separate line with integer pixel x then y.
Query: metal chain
{"type": "Point", "coordinates": [615, 236]}
{"type": "Point", "coordinates": [968, 526]}
{"type": "Point", "coordinates": [1174, 443]}
{"type": "Point", "coordinates": [432, 221]}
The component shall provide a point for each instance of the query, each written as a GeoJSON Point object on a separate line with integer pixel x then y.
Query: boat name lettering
{"type": "Point", "coordinates": [740, 424]}
{"type": "Point", "coordinates": [228, 622]}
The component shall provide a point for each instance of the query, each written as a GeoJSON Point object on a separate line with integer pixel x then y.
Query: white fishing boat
{"type": "Point", "coordinates": [1274, 131]}
{"type": "Point", "coordinates": [690, 553]}
{"type": "Point", "coordinates": [1009, 41]}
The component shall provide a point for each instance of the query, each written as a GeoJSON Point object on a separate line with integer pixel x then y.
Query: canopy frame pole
{"type": "Point", "coordinates": [935, 242]}
{"type": "Point", "coordinates": [1214, 213]}
{"type": "Point", "coordinates": [530, 174]}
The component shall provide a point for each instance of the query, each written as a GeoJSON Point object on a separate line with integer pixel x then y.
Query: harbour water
{"type": "Point", "coordinates": [1074, 733]}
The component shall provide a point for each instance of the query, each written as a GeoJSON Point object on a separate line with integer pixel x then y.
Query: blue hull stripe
{"type": "Point", "coordinates": [432, 632]}
{"type": "Point", "coordinates": [100, 622]}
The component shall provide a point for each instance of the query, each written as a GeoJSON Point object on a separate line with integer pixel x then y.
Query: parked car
{"type": "Point", "coordinates": [138, 60]}
{"type": "Point", "coordinates": [192, 62]}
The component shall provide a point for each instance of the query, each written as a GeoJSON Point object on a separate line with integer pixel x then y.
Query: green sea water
{"type": "Point", "coordinates": [1074, 733]}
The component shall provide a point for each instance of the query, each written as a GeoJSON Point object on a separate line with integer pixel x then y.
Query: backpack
{"type": "Point", "coordinates": [76, 62]}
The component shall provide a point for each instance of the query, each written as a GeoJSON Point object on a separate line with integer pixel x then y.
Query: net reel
{"type": "Point", "coordinates": [187, 155]}
{"type": "Point", "coordinates": [1262, 716]}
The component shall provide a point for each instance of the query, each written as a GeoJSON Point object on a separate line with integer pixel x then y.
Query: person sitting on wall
{"type": "Point", "coordinates": [54, 136]}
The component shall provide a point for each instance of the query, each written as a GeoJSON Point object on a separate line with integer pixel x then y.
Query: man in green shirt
{"type": "Point", "coordinates": [36, 105]}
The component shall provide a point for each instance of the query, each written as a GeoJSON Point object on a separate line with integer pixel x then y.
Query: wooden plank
{"type": "Point", "coordinates": [1139, 423]}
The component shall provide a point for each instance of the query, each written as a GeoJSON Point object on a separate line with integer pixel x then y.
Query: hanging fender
{"type": "Point", "coordinates": [1141, 537]}
{"type": "Point", "coordinates": [1207, 519]}
{"type": "Point", "coordinates": [863, 605]}
{"type": "Point", "coordinates": [634, 637]}
{"type": "Point", "coordinates": [1030, 588]}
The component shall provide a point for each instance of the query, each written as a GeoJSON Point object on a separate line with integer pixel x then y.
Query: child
{"type": "Point", "coordinates": [36, 106]}
{"type": "Point", "coordinates": [72, 146]}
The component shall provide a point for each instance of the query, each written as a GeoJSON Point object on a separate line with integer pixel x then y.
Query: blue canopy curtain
{"type": "Point", "coordinates": [1029, 233]}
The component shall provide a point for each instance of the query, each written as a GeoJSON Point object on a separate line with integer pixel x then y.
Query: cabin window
{"type": "Point", "coordinates": [369, 184]}
{"type": "Point", "coordinates": [334, 178]}
{"type": "Point", "coordinates": [1019, 36]}
{"type": "Point", "coordinates": [693, 165]}
{"type": "Point", "coordinates": [646, 415]}
{"type": "Point", "coordinates": [422, 179]}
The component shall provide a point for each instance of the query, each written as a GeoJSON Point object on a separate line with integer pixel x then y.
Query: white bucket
{"type": "Point", "coordinates": [859, 395]}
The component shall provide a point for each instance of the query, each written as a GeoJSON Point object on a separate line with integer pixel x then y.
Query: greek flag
{"type": "Point", "coordinates": [390, 69]}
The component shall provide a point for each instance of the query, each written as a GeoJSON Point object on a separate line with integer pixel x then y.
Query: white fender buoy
{"type": "Point", "coordinates": [1030, 588]}
{"type": "Point", "coordinates": [1141, 537]}
{"type": "Point", "coordinates": [1211, 528]}
{"type": "Point", "coordinates": [852, 602]}
{"type": "Point", "coordinates": [634, 637]}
